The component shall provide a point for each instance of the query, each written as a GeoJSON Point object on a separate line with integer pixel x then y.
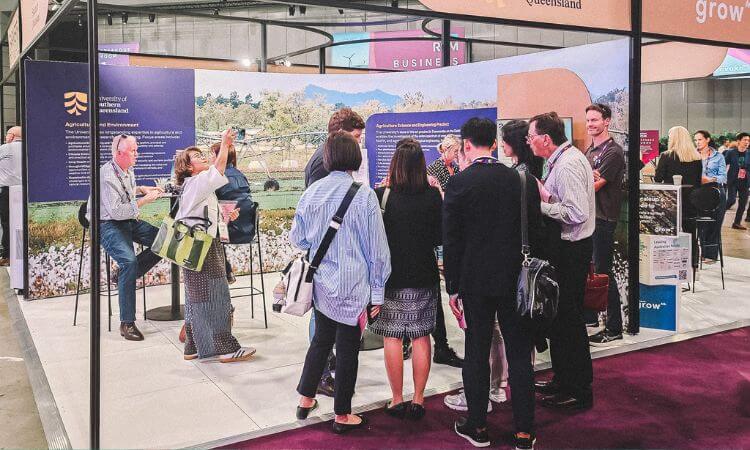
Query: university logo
{"type": "Point", "coordinates": [76, 102]}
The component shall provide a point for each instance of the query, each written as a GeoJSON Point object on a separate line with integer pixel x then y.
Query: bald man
{"type": "Point", "coordinates": [121, 227]}
{"type": "Point", "coordinates": [10, 175]}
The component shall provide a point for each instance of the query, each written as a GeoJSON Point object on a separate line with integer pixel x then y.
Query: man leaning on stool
{"type": "Point", "coordinates": [120, 226]}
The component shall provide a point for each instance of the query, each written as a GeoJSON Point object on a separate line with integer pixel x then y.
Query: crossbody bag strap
{"type": "Point", "coordinates": [525, 249]}
{"type": "Point", "coordinates": [336, 221]}
{"type": "Point", "coordinates": [384, 200]}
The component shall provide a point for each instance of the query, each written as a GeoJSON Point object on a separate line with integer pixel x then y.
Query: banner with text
{"type": "Point", "coordinates": [383, 131]}
{"type": "Point", "coordinates": [160, 114]}
{"type": "Point", "coordinates": [716, 20]}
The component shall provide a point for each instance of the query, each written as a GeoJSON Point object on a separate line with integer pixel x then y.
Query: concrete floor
{"type": "Point", "coordinates": [18, 412]}
{"type": "Point", "coordinates": [736, 242]}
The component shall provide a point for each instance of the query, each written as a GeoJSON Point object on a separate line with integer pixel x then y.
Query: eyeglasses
{"type": "Point", "coordinates": [116, 143]}
{"type": "Point", "coordinates": [530, 137]}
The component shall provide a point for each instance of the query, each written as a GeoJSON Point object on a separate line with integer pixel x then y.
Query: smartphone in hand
{"type": "Point", "coordinates": [462, 318]}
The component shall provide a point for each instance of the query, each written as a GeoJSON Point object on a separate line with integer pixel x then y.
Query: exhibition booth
{"type": "Point", "coordinates": [95, 389]}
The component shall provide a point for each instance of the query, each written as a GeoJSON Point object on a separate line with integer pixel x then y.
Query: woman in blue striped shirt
{"type": "Point", "coordinates": [352, 275]}
{"type": "Point", "coordinates": [714, 174]}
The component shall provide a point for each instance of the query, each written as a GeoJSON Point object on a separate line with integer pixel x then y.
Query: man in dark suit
{"type": "Point", "coordinates": [482, 257]}
{"type": "Point", "coordinates": [738, 163]}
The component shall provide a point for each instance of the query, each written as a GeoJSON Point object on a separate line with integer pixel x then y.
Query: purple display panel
{"type": "Point", "coordinates": [111, 59]}
{"type": "Point", "coordinates": [160, 113]}
{"type": "Point", "coordinates": [383, 131]}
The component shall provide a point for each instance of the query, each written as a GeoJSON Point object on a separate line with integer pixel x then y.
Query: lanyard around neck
{"type": "Point", "coordinates": [122, 183]}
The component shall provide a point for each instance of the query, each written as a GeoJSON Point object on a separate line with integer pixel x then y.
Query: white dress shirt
{"type": "Point", "coordinates": [10, 163]}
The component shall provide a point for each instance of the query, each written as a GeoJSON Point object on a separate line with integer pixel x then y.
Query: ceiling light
{"type": "Point", "coordinates": [109, 18]}
{"type": "Point", "coordinates": [291, 10]}
{"type": "Point", "coordinates": [302, 9]}
{"type": "Point", "coordinates": [245, 62]}
{"type": "Point", "coordinates": [152, 18]}
{"type": "Point", "coordinates": [124, 17]}
{"type": "Point", "coordinates": [287, 63]}
{"type": "Point", "coordinates": [341, 11]}
{"type": "Point", "coordinates": [394, 3]}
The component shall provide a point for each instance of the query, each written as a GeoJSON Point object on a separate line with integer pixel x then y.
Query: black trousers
{"type": "Point", "coordinates": [569, 343]}
{"type": "Point", "coordinates": [439, 334]}
{"type": "Point", "coordinates": [480, 315]}
{"type": "Point", "coordinates": [4, 220]}
{"type": "Point", "coordinates": [346, 338]}
{"type": "Point", "coordinates": [711, 232]}
{"type": "Point", "coordinates": [738, 190]}
{"type": "Point", "coordinates": [604, 249]}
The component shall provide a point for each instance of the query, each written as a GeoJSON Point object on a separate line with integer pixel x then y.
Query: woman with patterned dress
{"type": "Point", "coordinates": [443, 168]}
{"type": "Point", "coordinates": [412, 217]}
{"type": "Point", "coordinates": [207, 302]}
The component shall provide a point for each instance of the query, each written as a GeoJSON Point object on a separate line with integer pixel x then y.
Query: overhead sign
{"type": "Point", "coordinates": [33, 18]}
{"type": "Point", "coordinates": [14, 44]}
{"type": "Point", "coordinates": [610, 14]}
{"type": "Point", "coordinates": [716, 20]}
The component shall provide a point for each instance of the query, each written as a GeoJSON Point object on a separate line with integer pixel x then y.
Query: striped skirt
{"type": "Point", "coordinates": [407, 313]}
{"type": "Point", "coordinates": [208, 308]}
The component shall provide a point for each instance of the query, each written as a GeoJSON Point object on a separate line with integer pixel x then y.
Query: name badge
{"type": "Point", "coordinates": [742, 175]}
{"type": "Point", "coordinates": [223, 232]}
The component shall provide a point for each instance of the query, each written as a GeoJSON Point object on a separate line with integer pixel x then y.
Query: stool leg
{"type": "Point", "coordinates": [262, 282]}
{"type": "Point", "coordinates": [109, 295]}
{"type": "Point", "coordinates": [721, 261]}
{"type": "Point", "coordinates": [143, 282]}
{"type": "Point", "coordinates": [252, 285]}
{"type": "Point", "coordinates": [78, 286]}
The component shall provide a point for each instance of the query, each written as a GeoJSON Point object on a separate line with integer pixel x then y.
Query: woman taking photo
{"type": "Point", "coordinates": [412, 217]}
{"type": "Point", "coordinates": [207, 303]}
{"type": "Point", "coordinates": [714, 174]}
{"type": "Point", "coordinates": [350, 277]}
{"type": "Point", "coordinates": [242, 229]}
{"type": "Point", "coordinates": [443, 168]}
{"type": "Point", "coordinates": [517, 148]}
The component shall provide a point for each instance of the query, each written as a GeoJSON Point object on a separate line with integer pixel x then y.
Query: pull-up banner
{"type": "Point", "coordinates": [609, 14]}
{"type": "Point", "coordinates": [716, 20]}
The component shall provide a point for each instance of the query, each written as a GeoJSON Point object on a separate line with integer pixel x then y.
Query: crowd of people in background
{"type": "Point", "coordinates": [464, 210]}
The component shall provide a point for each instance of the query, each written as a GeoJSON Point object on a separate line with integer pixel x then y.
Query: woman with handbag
{"type": "Point", "coordinates": [351, 275]}
{"type": "Point", "coordinates": [412, 213]}
{"type": "Point", "coordinates": [207, 303]}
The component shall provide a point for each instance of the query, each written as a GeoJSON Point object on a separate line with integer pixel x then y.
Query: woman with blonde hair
{"type": "Point", "coordinates": [682, 158]}
{"type": "Point", "coordinates": [443, 168]}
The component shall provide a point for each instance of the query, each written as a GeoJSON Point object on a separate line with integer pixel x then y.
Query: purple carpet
{"type": "Point", "coordinates": [693, 394]}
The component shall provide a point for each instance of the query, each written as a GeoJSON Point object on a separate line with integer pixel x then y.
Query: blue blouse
{"type": "Point", "coordinates": [715, 166]}
{"type": "Point", "coordinates": [357, 265]}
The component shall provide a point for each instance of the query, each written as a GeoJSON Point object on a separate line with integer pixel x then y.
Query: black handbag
{"type": "Point", "coordinates": [538, 292]}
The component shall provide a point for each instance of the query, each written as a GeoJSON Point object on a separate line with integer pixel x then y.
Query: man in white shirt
{"type": "Point", "coordinates": [10, 175]}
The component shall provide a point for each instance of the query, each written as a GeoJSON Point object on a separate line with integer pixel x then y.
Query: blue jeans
{"type": "Point", "coordinates": [117, 237]}
{"type": "Point", "coordinates": [604, 241]}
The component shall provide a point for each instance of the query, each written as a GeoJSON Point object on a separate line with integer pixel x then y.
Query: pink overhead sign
{"type": "Point", "coordinates": [413, 55]}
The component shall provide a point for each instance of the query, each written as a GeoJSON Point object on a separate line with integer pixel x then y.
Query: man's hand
{"type": "Point", "coordinates": [597, 176]}
{"type": "Point", "coordinates": [234, 214]}
{"type": "Point", "coordinates": [150, 196]}
{"type": "Point", "coordinates": [374, 311]}
{"type": "Point", "coordinates": [543, 192]}
{"type": "Point", "coordinates": [147, 189]}
{"type": "Point", "coordinates": [453, 302]}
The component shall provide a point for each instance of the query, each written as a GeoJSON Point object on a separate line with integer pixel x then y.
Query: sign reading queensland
{"type": "Point", "coordinates": [383, 131]}
{"type": "Point", "coordinates": [717, 20]}
{"type": "Point", "coordinates": [610, 14]}
{"type": "Point", "coordinates": [160, 114]}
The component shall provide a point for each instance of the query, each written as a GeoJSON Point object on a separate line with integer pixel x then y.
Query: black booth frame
{"type": "Point", "coordinates": [15, 78]}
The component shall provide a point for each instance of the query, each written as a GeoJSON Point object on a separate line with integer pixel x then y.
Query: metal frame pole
{"type": "Point", "coordinates": [634, 139]}
{"type": "Point", "coordinates": [445, 40]}
{"type": "Point", "coordinates": [322, 60]}
{"type": "Point", "coordinates": [263, 47]}
{"type": "Point", "coordinates": [95, 335]}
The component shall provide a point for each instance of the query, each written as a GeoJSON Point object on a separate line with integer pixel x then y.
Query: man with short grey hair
{"type": "Point", "coordinates": [121, 227]}
{"type": "Point", "coordinates": [569, 207]}
{"type": "Point", "coordinates": [10, 175]}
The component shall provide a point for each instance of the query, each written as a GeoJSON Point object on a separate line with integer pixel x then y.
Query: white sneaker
{"type": "Point", "coordinates": [243, 354]}
{"type": "Point", "coordinates": [498, 395]}
{"type": "Point", "coordinates": [457, 402]}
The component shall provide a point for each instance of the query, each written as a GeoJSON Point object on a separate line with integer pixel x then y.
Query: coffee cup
{"type": "Point", "coordinates": [677, 180]}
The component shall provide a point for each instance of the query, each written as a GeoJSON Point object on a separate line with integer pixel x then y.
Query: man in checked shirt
{"type": "Point", "coordinates": [120, 227]}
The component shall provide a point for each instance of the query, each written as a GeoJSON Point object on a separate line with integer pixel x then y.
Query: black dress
{"type": "Point", "coordinates": [669, 166]}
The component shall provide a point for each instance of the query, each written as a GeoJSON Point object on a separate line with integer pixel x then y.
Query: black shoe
{"type": "Point", "coordinates": [592, 325]}
{"type": "Point", "coordinates": [525, 442]}
{"type": "Point", "coordinates": [567, 402]}
{"type": "Point", "coordinates": [604, 338]}
{"type": "Point", "coordinates": [302, 413]}
{"type": "Point", "coordinates": [416, 411]}
{"type": "Point", "coordinates": [446, 355]}
{"type": "Point", "coordinates": [341, 428]}
{"type": "Point", "coordinates": [130, 332]}
{"type": "Point", "coordinates": [326, 386]}
{"type": "Point", "coordinates": [407, 349]}
{"type": "Point", "coordinates": [398, 411]}
{"type": "Point", "coordinates": [476, 437]}
{"type": "Point", "coordinates": [736, 226]}
{"type": "Point", "coordinates": [547, 387]}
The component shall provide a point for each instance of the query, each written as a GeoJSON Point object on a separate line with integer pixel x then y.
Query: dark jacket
{"type": "Point", "coordinates": [482, 229]}
{"type": "Point", "coordinates": [315, 170]}
{"type": "Point", "coordinates": [413, 226]}
{"type": "Point", "coordinates": [242, 230]}
{"type": "Point", "coordinates": [669, 166]}
{"type": "Point", "coordinates": [733, 161]}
